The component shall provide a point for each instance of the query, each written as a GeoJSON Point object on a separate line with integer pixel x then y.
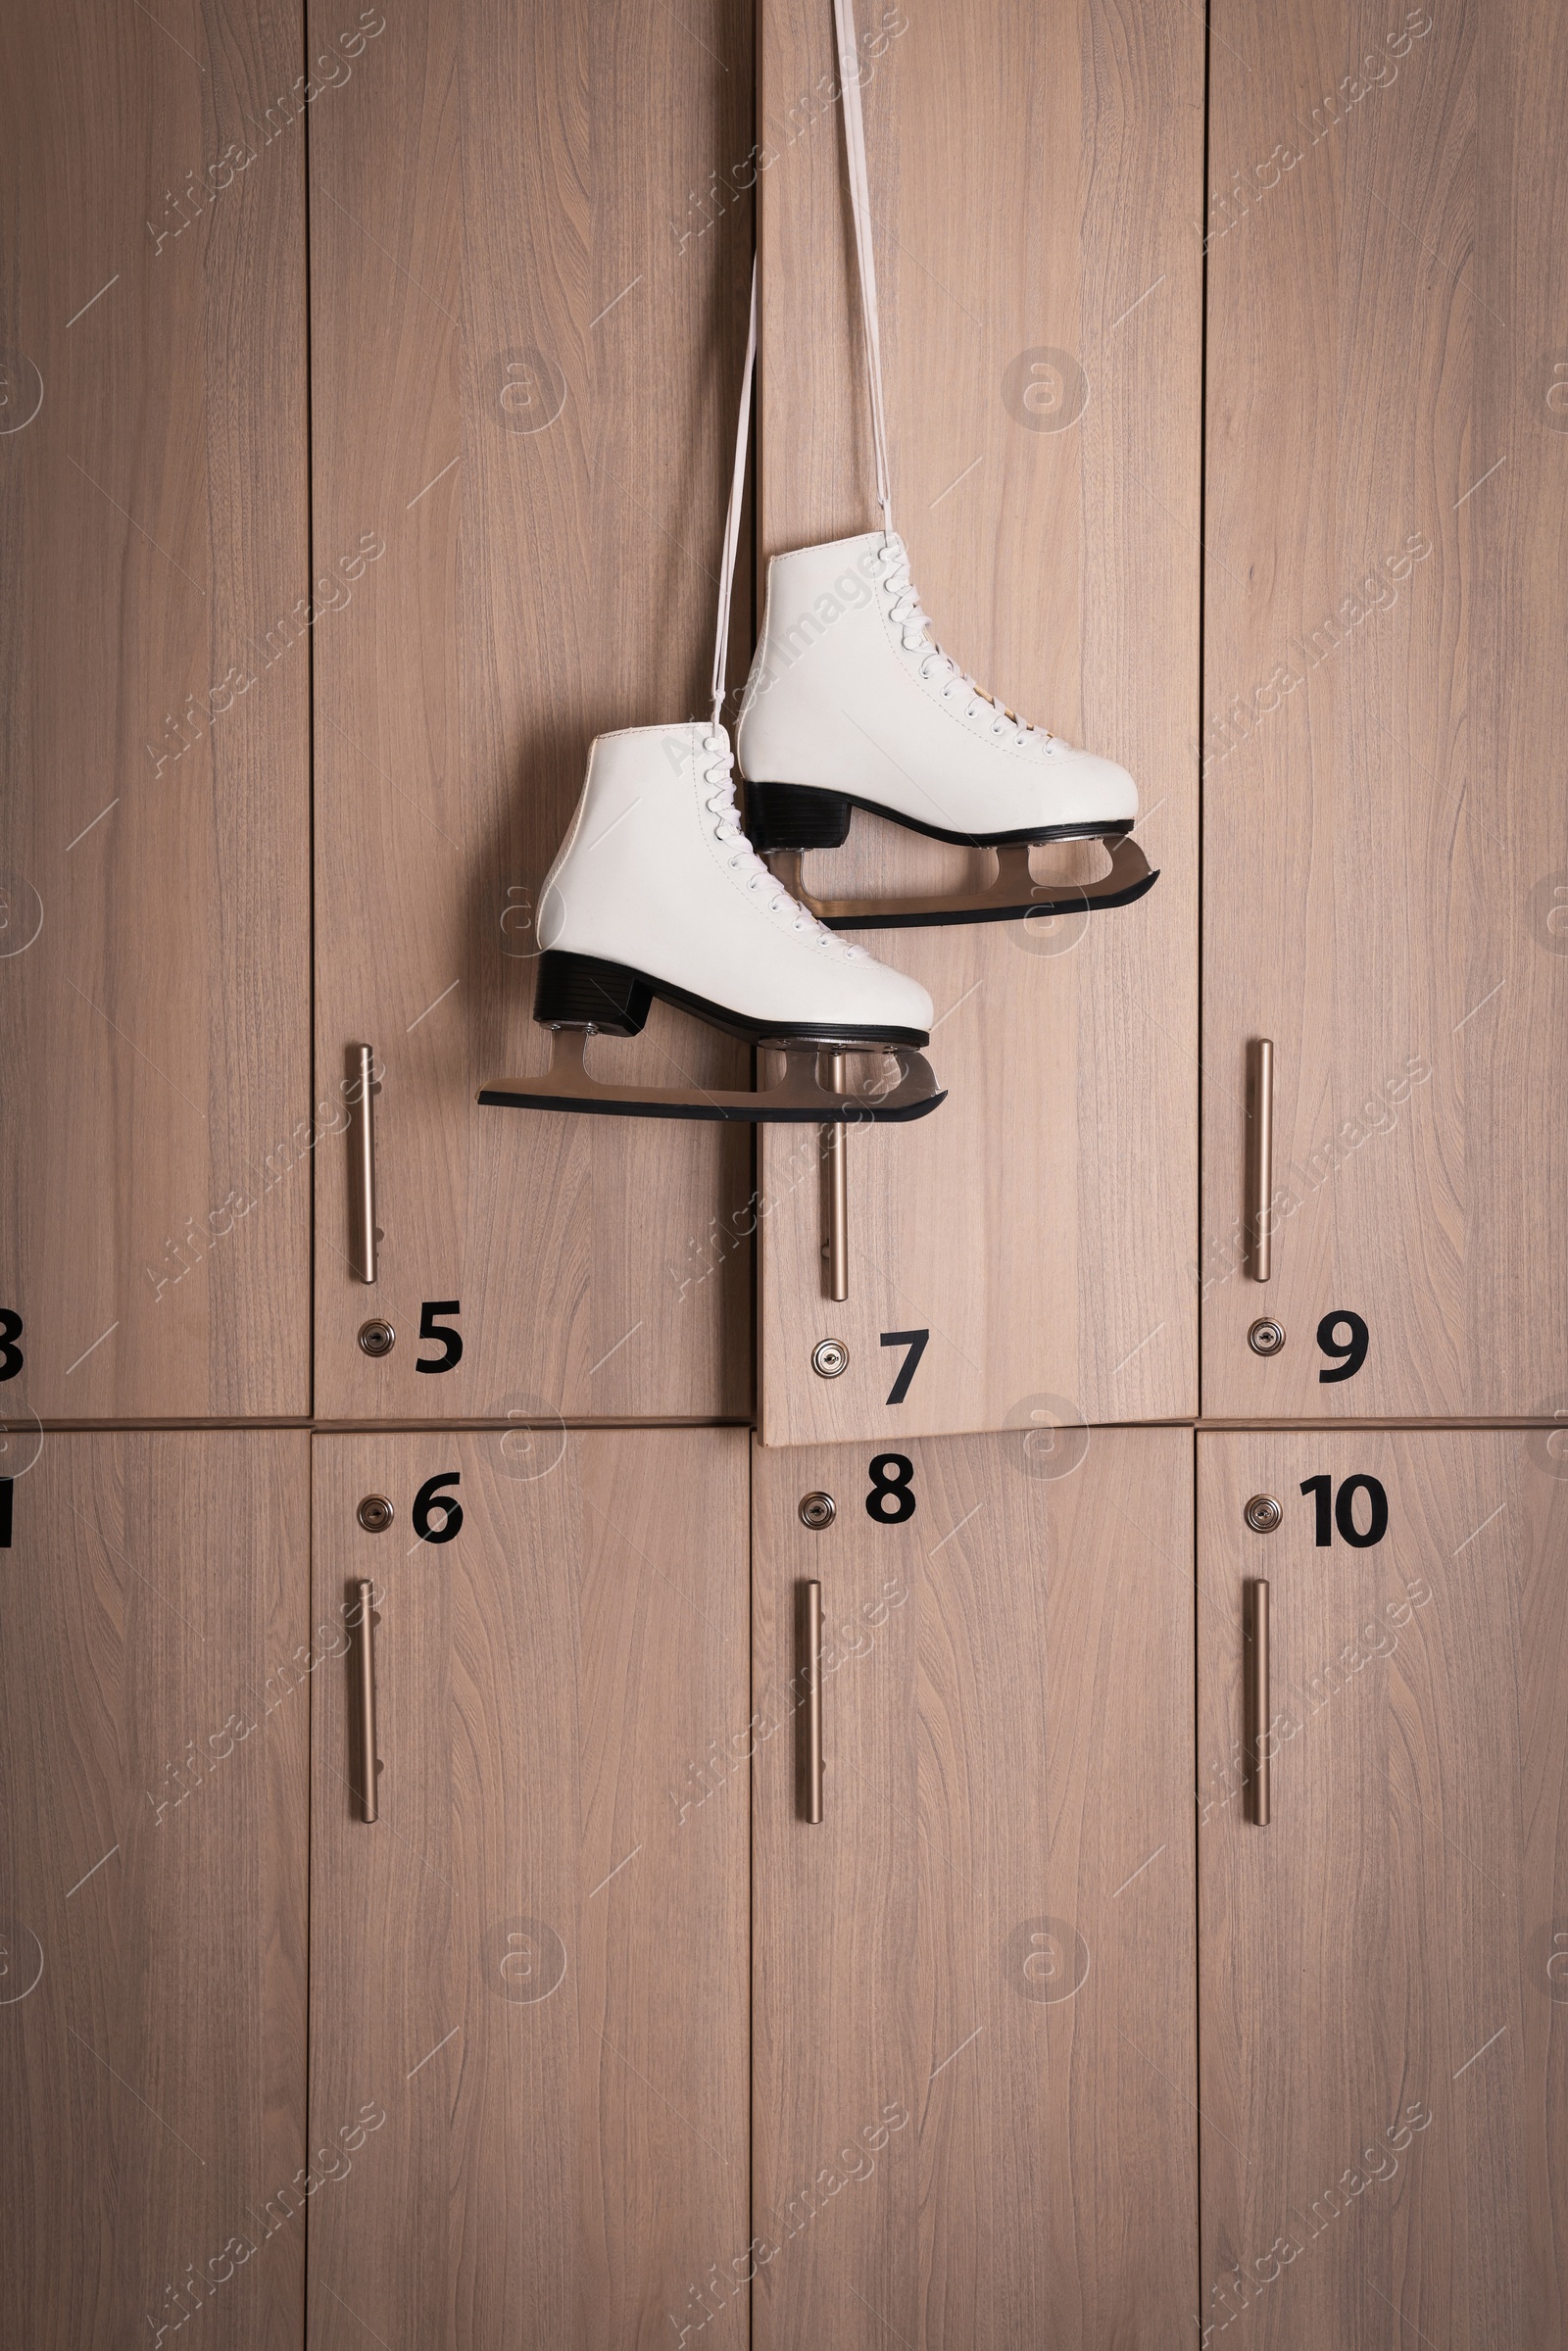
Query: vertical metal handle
{"type": "Point", "coordinates": [813, 1704]}
{"type": "Point", "coordinates": [835, 1151]}
{"type": "Point", "coordinates": [1261, 1157]}
{"type": "Point", "coordinates": [362, 1092]}
{"type": "Point", "coordinates": [364, 1657]}
{"type": "Point", "coordinates": [1258, 1707]}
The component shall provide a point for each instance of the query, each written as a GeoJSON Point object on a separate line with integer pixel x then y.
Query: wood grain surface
{"type": "Point", "coordinates": [529, 331]}
{"type": "Point", "coordinates": [153, 1857]}
{"type": "Point", "coordinates": [153, 763]}
{"type": "Point", "coordinates": [532, 1967]}
{"type": "Point", "coordinates": [991, 1934]}
{"type": "Point", "coordinates": [1387, 859]}
{"type": "Point", "coordinates": [1032, 178]}
{"type": "Point", "coordinates": [1384, 2089]}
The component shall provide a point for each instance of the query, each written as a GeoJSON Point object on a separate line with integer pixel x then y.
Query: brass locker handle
{"type": "Point", "coordinates": [1255, 1629]}
{"type": "Point", "coordinates": [813, 1704]}
{"type": "Point", "coordinates": [1261, 1157]}
{"type": "Point", "coordinates": [362, 1092]}
{"type": "Point", "coordinates": [835, 1149]}
{"type": "Point", "coordinates": [364, 1658]}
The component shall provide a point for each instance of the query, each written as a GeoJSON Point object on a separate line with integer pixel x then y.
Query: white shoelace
{"type": "Point", "coordinates": [720, 776]}
{"type": "Point", "coordinates": [864, 253]}
{"type": "Point", "coordinates": [732, 518]}
{"type": "Point", "coordinates": [906, 608]}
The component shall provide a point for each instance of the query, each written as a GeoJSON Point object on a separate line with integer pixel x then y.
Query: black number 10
{"type": "Point", "coordinates": [1342, 1514]}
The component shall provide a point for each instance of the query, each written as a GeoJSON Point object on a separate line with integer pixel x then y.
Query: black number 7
{"type": "Point", "coordinates": [914, 1340]}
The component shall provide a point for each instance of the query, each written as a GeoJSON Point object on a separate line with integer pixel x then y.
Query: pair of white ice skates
{"type": "Point", "coordinates": [661, 888]}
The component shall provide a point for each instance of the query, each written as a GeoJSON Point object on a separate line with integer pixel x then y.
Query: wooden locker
{"type": "Point", "coordinates": [1386, 865]}
{"type": "Point", "coordinates": [1033, 176]}
{"type": "Point", "coordinates": [153, 742]}
{"type": "Point", "coordinates": [530, 1974]}
{"type": "Point", "coordinates": [528, 333]}
{"type": "Point", "coordinates": [1383, 2095]}
{"type": "Point", "coordinates": [153, 1837]}
{"type": "Point", "coordinates": [975, 1993]}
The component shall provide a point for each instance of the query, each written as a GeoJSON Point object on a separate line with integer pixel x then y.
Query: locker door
{"type": "Point", "coordinates": [154, 756]}
{"type": "Point", "coordinates": [975, 1996]}
{"type": "Point", "coordinates": [528, 1978]}
{"type": "Point", "coordinates": [1383, 2073]}
{"type": "Point", "coordinates": [1039, 282]}
{"type": "Point", "coordinates": [153, 1828]}
{"type": "Point", "coordinates": [527, 342]}
{"type": "Point", "coordinates": [1386, 872]}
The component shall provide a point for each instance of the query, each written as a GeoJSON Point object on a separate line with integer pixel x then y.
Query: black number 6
{"type": "Point", "coordinates": [1348, 1357]}
{"type": "Point", "coordinates": [430, 1497]}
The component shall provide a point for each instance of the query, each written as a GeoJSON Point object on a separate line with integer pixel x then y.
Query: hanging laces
{"type": "Point", "coordinates": [866, 261]}
{"type": "Point", "coordinates": [865, 258]}
{"type": "Point", "coordinates": [732, 520]}
{"type": "Point", "coordinates": [720, 772]}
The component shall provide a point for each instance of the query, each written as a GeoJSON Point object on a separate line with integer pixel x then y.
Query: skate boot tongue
{"type": "Point", "coordinates": [729, 830]}
{"type": "Point", "coordinates": [916, 622]}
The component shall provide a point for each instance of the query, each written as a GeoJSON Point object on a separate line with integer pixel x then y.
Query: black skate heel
{"type": "Point", "coordinates": [580, 992]}
{"type": "Point", "coordinates": [795, 817]}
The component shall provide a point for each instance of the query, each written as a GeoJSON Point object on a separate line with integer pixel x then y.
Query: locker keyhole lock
{"type": "Point", "coordinates": [374, 1514]}
{"type": "Point", "coordinates": [817, 1510]}
{"type": "Point", "coordinates": [1262, 1514]}
{"type": "Point", "coordinates": [377, 1337]}
{"type": "Point", "coordinates": [1266, 1338]}
{"type": "Point", "coordinates": [830, 1358]}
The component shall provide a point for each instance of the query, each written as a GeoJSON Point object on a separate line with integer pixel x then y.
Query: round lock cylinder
{"type": "Point", "coordinates": [1266, 1338]}
{"type": "Point", "coordinates": [377, 1337]}
{"type": "Point", "coordinates": [1262, 1514]}
{"type": "Point", "coordinates": [817, 1511]}
{"type": "Point", "coordinates": [829, 1358]}
{"type": "Point", "coordinates": [374, 1514]}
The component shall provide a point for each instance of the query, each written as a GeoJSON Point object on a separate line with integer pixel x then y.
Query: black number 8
{"type": "Point", "coordinates": [890, 1475]}
{"type": "Point", "coordinates": [10, 1357]}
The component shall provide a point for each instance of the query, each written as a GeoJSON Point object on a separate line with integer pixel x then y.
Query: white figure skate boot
{"type": "Point", "coordinates": [657, 892]}
{"type": "Point", "coordinates": [852, 704]}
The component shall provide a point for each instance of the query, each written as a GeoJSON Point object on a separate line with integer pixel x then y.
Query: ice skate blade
{"type": "Point", "coordinates": [1011, 896]}
{"type": "Point", "coordinates": [799, 1097]}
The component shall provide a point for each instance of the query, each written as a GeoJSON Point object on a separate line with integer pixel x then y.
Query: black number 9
{"type": "Point", "coordinates": [1348, 1357]}
{"type": "Point", "coordinates": [430, 1497]}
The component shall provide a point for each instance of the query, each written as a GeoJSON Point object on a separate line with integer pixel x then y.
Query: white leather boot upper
{"type": "Point", "coordinates": [850, 692]}
{"type": "Point", "coordinates": [655, 872]}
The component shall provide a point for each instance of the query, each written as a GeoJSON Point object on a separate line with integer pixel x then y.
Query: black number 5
{"type": "Point", "coordinates": [451, 1341]}
{"type": "Point", "coordinates": [1349, 1355]}
{"type": "Point", "coordinates": [430, 1497]}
